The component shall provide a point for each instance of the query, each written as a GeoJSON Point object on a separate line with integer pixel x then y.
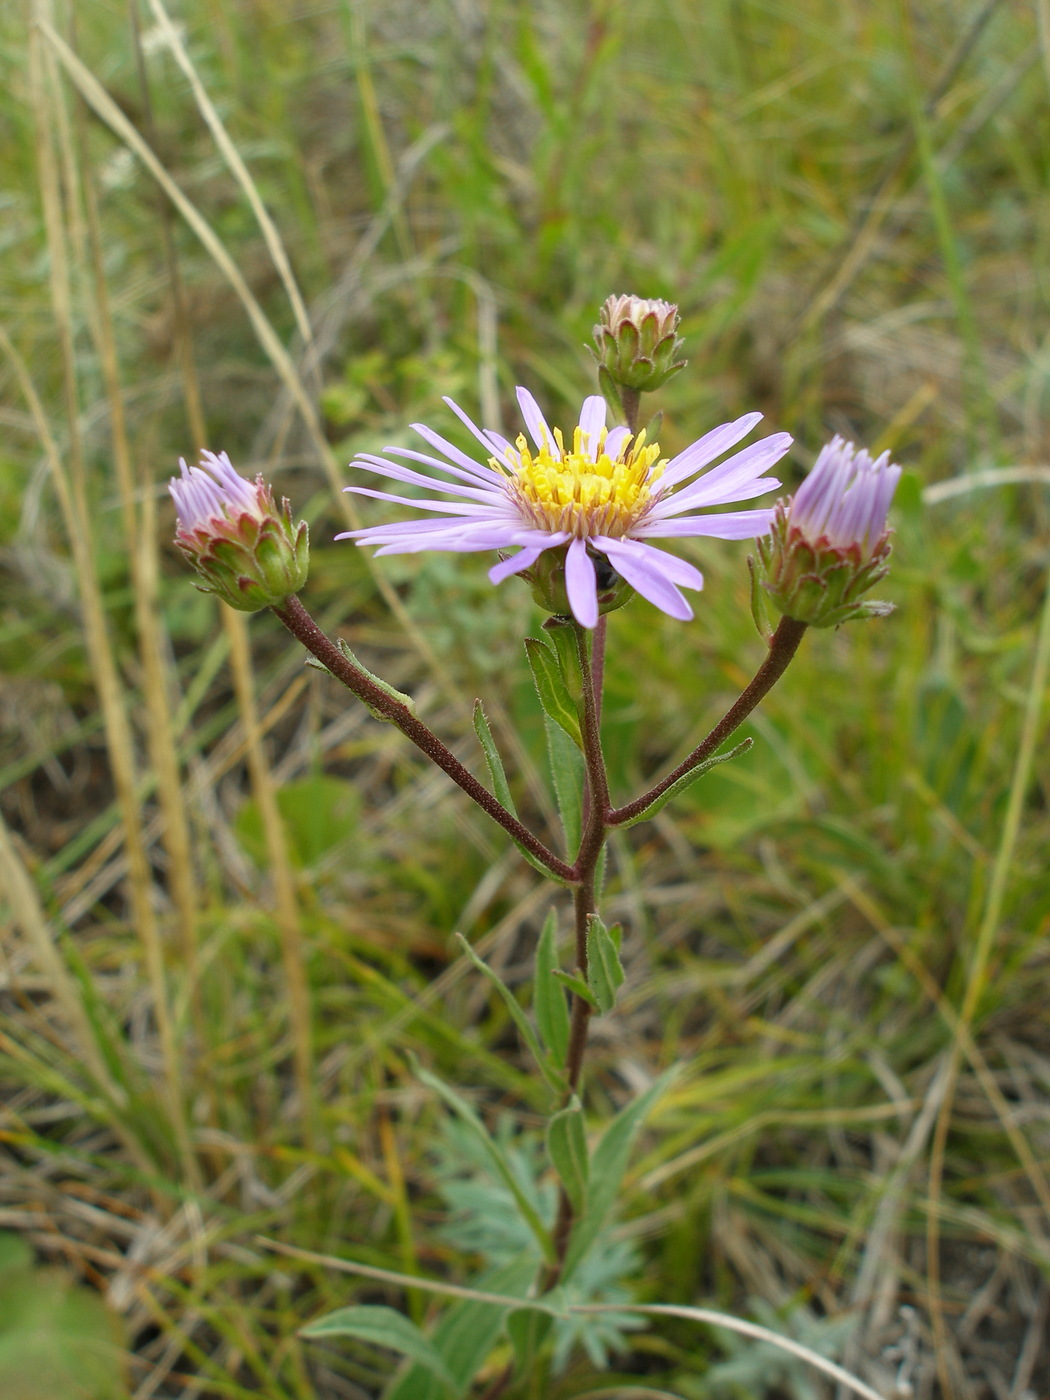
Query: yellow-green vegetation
{"type": "Point", "coordinates": [229, 895]}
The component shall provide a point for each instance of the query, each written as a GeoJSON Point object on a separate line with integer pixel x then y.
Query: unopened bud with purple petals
{"type": "Point", "coordinates": [243, 547]}
{"type": "Point", "coordinates": [829, 542]}
{"type": "Point", "coordinates": [638, 343]}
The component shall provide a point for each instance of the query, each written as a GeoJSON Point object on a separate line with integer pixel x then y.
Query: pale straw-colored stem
{"type": "Point", "coordinates": [71, 489]}
{"type": "Point", "coordinates": [286, 903]}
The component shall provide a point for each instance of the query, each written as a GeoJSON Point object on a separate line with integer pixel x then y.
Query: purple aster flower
{"type": "Point", "coordinates": [243, 547]}
{"type": "Point", "coordinates": [829, 542]}
{"type": "Point", "coordinates": [598, 502]}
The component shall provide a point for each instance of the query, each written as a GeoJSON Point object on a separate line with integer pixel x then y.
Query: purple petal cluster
{"type": "Point", "coordinates": [845, 498]}
{"type": "Point", "coordinates": [603, 494]}
{"type": "Point", "coordinates": [213, 492]}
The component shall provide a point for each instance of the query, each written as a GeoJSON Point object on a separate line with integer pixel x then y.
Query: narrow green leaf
{"type": "Point", "coordinates": [383, 685]}
{"type": "Point", "coordinates": [550, 687]}
{"type": "Point", "coordinates": [500, 786]}
{"type": "Point", "coordinates": [467, 1332]}
{"type": "Point", "coordinates": [610, 393]}
{"type": "Point", "coordinates": [608, 1164]}
{"type": "Point", "coordinates": [552, 1013]}
{"type": "Point", "coordinates": [759, 599]}
{"type": "Point", "coordinates": [527, 1329]}
{"type": "Point", "coordinates": [605, 973]}
{"type": "Point", "coordinates": [577, 985]}
{"type": "Point", "coordinates": [567, 1146]}
{"type": "Point", "coordinates": [497, 773]}
{"type": "Point", "coordinates": [522, 1022]}
{"type": "Point", "coordinates": [562, 633]}
{"type": "Point", "coordinates": [687, 780]}
{"type": "Point", "coordinates": [499, 1162]}
{"type": "Point", "coordinates": [383, 1327]}
{"type": "Point", "coordinates": [567, 770]}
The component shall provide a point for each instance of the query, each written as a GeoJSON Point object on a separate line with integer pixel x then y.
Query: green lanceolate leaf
{"type": "Point", "coordinates": [577, 985]}
{"type": "Point", "coordinates": [608, 1164]}
{"type": "Point", "coordinates": [384, 1327]}
{"type": "Point", "coordinates": [567, 770]}
{"type": "Point", "coordinates": [687, 780]}
{"type": "Point", "coordinates": [605, 973]}
{"type": "Point", "coordinates": [567, 1147]}
{"type": "Point", "coordinates": [497, 773]}
{"type": "Point", "coordinates": [496, 1157]}
{"type": "Point", "coordinates": [555, 699]}
{"type": "Point", "coordinates": [610, 393]}
{"type": "Point", "coordinates": [527, 1329]}
{"type": "Point", "coordinates": [467, 1332]}
{"type": "Point", "coordinates": [562, 633]}
{"type": "Point", "coordinates": [520, 1019]}
{"type": "Point", "coordinates": [383, 685]}
{"type": "Point", "coordinates": [500, 786]}
{"type": "Point", "coordinates": [759, 599]}
{"type": "Point", "coordinates": [552, 1012]}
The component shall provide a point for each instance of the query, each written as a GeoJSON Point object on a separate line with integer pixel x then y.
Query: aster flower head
{"type": "Point", "coordinates": [581, 514]}
{"type": "Point", "coordinates": [829, 542]}
{"type": "Point", "coordinates": [241, 545]}
{"type": "Point", "coordinates": [637, 342]}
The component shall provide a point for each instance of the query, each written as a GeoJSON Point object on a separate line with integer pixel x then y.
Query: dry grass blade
{"type": "Point", "coordinates": [977, 973]}
{"type": "Point", "coordinates": [280, 864]}
{"type": "Point", "coordinates": [100, 101]}
{"type": "Point", "coordinates": [233, 159]}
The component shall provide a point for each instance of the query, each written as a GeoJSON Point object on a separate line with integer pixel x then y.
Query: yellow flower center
{"type": "Point", "coordinates": [571, 492]}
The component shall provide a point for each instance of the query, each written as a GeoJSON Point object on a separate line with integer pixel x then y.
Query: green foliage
{"type": "Point", "coordinates": [384, 1327]}
{"type": "Point", "coordinates": [567, 1148]}
{"type": "Point", "coordinates": [551, 687]}
{"type": "Point", "coordinates": [55, 1338]}
{"type": "Point", "coordinates": [552, 1013]}
{"type": "Point", "coordinates": [321, 816]}
{"type": "Point", "coordinates": [761, 1369]}
{"type": "Point", "coordinates": [605, 974]}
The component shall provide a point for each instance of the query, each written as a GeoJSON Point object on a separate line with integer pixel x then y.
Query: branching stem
{"type": "Point", "coordinates": [782, 647]}
{"type": "Point", "coordinates": [305, 629]}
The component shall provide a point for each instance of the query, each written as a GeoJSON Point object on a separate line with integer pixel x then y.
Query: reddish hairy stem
{"type": "Point", "coordinates": [584, 905]}
{"type": "Point", "coordinates": [305, 629]}
{"type": "Point", "coordinates": [782, 647]}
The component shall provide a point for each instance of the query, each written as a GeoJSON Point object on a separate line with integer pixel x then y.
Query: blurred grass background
{"type": "Point", "coordinates": [285, 231]}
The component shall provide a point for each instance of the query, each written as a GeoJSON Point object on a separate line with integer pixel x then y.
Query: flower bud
{"type": "Point", "coordinates": [637, 342]}
{"type": "Point", "coordinates": [243, 548]}
{"type": "Point", "coordinates": [829, 542]}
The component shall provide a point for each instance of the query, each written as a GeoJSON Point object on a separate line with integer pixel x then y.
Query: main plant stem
{"type": "Point", "coordinates": [584, 898]}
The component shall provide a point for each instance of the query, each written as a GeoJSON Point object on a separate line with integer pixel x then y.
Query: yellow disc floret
{"type": "Point", "coordinates": [567, 490]}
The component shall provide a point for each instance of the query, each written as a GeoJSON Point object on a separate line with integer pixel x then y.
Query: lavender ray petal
{"type": "Point", "coordinates": [592, 421]}
{"type": "Point", "coordinates": [581, 584]}
{"type": "Point", "coordinates": [406, 474]}
{"type": "Point", "coordinates": [524, 559]}
{"type": "Point", "coordinates": [652, 581]}
{"type": "Point", "coordinates": [679, 571]}
{"type": "Point", "coordinates": [753, 461]}
{"type": "Point", "coordinates": [452, 452]}
{"type": "Point", "coordinates": [727, 525]}
{"type": "Point", "coordinates": [475, 475]}
{"type": "Point", "coordinates": [615, 441]}
{"type": "Point", "coordinates": [419, 503]}
{"type": "Point", "coordinates": [707, 448]}
{"type": "Point", "coordinates": [536, 423]}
